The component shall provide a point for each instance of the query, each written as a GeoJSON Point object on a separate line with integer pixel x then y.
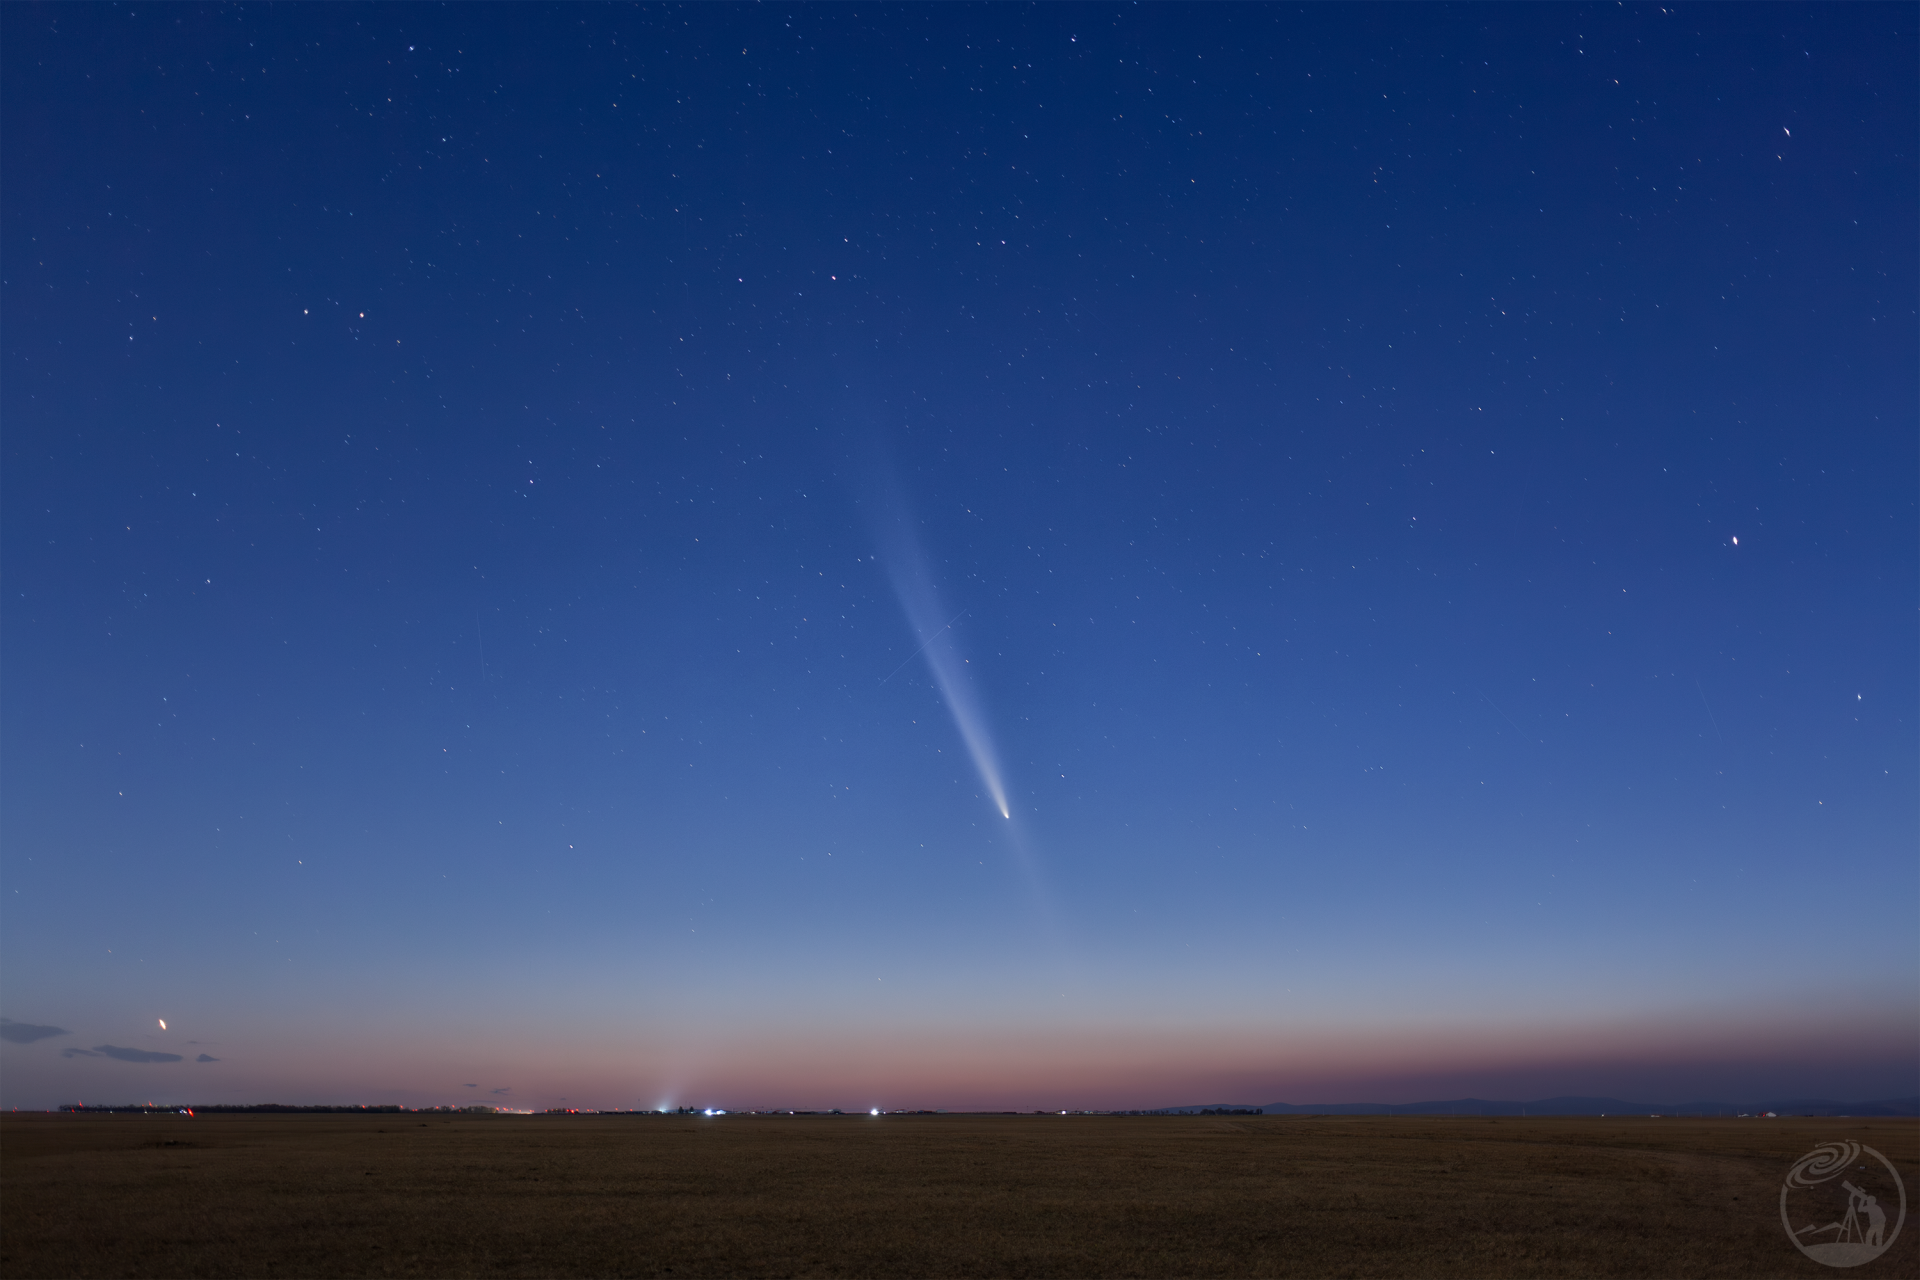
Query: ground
{"type": "Point", "coordinates": [420, 1194]}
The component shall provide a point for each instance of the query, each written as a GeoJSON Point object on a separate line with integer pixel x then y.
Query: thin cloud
{"type": "Point", "coordinates": [71, 1052]}
{"type": "Point", "coordinates": [206, 1058]}
{"type": "Point", "coordinates": [469, 1086]}
{"type": "Point", "coordinates": [507, 1089]}
{"type": "Point", "coordinates": [134, 1055]}
{"type": "Point", "coordinates": [27, 1032]}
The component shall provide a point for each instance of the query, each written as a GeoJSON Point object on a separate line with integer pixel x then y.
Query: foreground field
{"type": "Point", "coordinates": [426, 1195]}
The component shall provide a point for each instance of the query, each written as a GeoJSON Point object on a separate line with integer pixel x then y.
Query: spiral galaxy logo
{"type": "Point", "coordinates": [1837, 1201]}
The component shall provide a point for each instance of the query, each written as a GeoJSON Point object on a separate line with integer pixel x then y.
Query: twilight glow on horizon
{"type": "Point", "coordinates": [958, 557]}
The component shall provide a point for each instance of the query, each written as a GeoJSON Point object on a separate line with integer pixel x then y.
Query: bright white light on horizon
{"type": "Point", "coordinates": [874, 1112]}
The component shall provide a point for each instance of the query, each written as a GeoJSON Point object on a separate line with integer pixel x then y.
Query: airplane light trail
{"type": "Point", "coordinates": [923, 648]}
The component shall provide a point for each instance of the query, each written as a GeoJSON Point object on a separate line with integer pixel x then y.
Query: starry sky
{"type": "Point", "coordinates": [955, 556]}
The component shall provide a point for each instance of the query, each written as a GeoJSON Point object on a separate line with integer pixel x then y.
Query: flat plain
{"type": "Point", "coordinates": [424, 1194]}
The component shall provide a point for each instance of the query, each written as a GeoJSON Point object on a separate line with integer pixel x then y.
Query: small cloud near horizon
{"type": "Point", "coordinates": [72, 1052]}
{"type": "Point", "coordinates": [469, 1086]}
{"type": "Point", "coordinates": [507, 1089]}
{"type": "Point", "coordinates": [27, 1032]}
{"type": "Point", "coordinates": [134, 1055]}
{"type": "Point", "coordinates": [205, 1058]}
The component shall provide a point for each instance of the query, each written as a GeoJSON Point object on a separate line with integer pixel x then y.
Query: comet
{"type": "Point", "coordinates": [920, 601]}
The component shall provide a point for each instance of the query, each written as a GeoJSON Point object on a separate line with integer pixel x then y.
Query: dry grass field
{"type": "Point", "coordinates": [432, 1195]}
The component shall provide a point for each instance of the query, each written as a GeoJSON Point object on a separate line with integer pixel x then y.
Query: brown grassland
{"type": "Point", "coordinates": [433, 1195]}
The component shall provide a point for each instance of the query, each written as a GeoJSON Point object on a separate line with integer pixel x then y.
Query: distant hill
{"type": "Point", "coordinates": [1574, 1107]}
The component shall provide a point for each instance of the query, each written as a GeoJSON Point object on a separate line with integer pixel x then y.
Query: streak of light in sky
{"type": "Point", "coordinates": [920, 600]}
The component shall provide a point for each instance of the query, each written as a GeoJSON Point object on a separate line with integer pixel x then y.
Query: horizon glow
{"type": "Point", "coordinates": [1428, 611]}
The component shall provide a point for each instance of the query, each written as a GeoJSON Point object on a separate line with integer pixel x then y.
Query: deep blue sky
{"type": "Point", "coordinates": [476, 480]}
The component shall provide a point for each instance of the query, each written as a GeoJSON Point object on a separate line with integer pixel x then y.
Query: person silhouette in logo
{"type": "Point", "coordinates": [1876, 1220]}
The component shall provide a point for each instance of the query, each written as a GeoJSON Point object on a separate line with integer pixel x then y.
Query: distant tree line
{"type": "Point", "coordinates": [281, 1108]}
{"type": "Point", "coordinates": [258, 1108]}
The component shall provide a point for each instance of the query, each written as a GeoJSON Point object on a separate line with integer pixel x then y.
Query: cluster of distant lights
{"type": "Point", "coordinates": [720, 1111]}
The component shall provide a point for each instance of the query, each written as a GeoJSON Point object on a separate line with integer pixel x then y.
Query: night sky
{"type": "Point", "coordinates": [937, 556]}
